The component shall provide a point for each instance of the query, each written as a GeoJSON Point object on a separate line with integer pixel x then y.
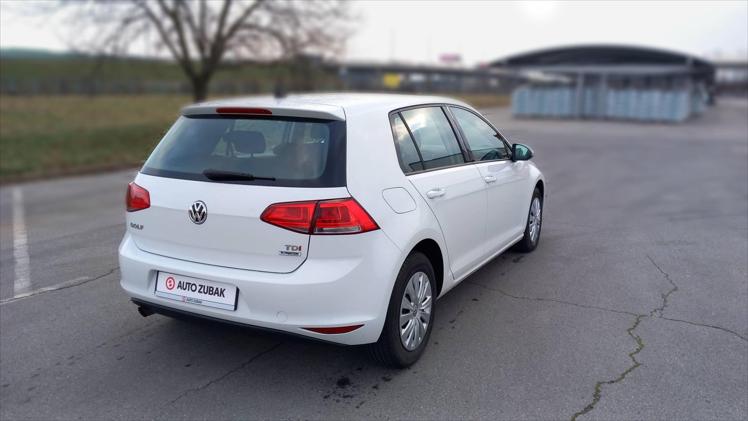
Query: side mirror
{"type": "Point", "coordinates": [521, 152]}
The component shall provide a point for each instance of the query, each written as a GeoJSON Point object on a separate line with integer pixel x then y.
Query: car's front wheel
{"type": "Point", "coordinates": [534, 224]}
{"type": "Point", "coordinates": [410, 314]}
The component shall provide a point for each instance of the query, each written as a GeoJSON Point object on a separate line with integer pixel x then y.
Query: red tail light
{"type": "Point", "coordinates": [344, 216]}
{"type": "Point", "coordinates": [338, 216]}
{"type": "Point", "coordinates": [137, 198]}
{"type": "Point", "coordinates": [293, 216]}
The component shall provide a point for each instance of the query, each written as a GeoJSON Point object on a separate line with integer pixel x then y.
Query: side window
{"type": "Point", "coordinates": [434, 137]}
{"type": "Point", "coordinates": [406, 150]}
{"type": "Point", "coordinates": [481, 138]}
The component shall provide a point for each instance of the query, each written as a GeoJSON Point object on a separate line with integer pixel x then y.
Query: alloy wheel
{"type": "Point", "coordinates": [415, 311]}
{"type": "Point", "coordinates": [535, 219]}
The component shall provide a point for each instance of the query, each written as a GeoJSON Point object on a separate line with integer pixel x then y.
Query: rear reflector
{"type": "Point", "coordinates": [243, 110]}
{"type": "Point", "coordinates": [332, 330]}
{"type": "Point", "coordinates": [137, 198]}
{"type": "Point", "coordinates": [337, 216]}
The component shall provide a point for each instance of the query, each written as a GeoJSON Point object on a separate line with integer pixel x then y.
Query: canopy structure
{"type": "Point", "coordinates": [610, 82]}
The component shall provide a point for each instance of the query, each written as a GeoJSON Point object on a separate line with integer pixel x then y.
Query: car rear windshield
{"type": "Point", "coordinates": [273, 151]}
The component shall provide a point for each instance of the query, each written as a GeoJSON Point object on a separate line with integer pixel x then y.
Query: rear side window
{"type": "Point", "coordinates": [290, 152]}
{"type": "Point", "coordinates": [433, 136]}
{"type": "Point", "coordinates": [482, 139]}
{"type": "Point", "coordinates": [407, 154]}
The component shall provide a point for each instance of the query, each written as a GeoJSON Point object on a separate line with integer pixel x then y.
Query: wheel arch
{"type": "Point", "coordinates": [540, 185]}
{"type": "Point", "coordinates": [431, 249]}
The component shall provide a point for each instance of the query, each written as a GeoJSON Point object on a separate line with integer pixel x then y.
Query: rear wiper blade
{"type": "Point", "coordinates": [218, 175]}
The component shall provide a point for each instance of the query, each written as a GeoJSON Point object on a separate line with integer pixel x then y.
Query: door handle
{"type": "Point", "coordinates": [434, 193]}
{"type": "Point", "coordinates": [489, 179]}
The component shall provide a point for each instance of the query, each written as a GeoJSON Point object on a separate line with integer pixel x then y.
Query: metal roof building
{"type": "Point", "coordinates": [610, 82]}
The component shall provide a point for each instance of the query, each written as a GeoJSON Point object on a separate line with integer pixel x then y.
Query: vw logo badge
{"type": "Point", "coordinates": [198, 212]}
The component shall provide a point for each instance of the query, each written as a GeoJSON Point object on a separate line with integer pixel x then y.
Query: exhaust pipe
{"type": "Point", "coordinates": [144, 311]}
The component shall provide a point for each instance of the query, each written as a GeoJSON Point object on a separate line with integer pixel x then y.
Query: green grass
{"type": "Point", "coordinates": [48, 136]}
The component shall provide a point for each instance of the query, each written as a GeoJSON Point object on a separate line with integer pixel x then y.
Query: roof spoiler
{"type": "Point", "coordinates": [316, 111]}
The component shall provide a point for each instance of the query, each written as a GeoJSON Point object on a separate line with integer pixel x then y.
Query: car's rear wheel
{"type": "Point", "coordinates": [534, 224]}
{"type": "Point", "coordinates": [410, 314]}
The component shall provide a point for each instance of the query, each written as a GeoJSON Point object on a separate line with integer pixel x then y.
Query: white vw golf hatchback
{"type": "Point", "coordinates": [340, 217]}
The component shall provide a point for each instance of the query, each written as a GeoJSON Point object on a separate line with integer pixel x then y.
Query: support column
{"type": "Point", "coordinates": [580, 95]}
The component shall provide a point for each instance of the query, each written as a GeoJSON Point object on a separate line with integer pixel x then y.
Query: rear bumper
{"type": "Point", "coordinates": [326, 291]}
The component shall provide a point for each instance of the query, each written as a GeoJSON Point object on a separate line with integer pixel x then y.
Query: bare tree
{"type": "Point", "coordinates": [201, 34]}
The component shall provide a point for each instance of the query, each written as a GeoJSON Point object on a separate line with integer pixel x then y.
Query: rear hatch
{"type": "Point", "coordinates": [212, 176]}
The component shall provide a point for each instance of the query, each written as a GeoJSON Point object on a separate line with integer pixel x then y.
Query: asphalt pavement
{"type": "Point", "coordinates": [634, 306]}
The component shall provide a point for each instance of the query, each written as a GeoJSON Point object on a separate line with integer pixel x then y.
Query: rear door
{"type": "Point", "coordinates": [453, 190]}
{"type": "Point", "coordinates": [501, 177]}
{"type": "Point", "coordinates": [205, 205]}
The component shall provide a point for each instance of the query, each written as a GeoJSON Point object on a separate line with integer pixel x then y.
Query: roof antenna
{"type": "Point", "coordinates": [279, 91]}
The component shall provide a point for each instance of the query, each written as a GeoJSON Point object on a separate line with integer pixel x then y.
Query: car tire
{"type": "Point", "coordinates": [393, 349]}
{"type": "Point", "coordinates": [534, 215]}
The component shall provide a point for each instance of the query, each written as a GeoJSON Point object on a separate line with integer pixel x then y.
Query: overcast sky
{"type": "Point", "coordinates": [420, 31]}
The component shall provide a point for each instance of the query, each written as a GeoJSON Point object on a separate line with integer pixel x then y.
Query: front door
{"type": "Point", "coordinates": [502, 178]}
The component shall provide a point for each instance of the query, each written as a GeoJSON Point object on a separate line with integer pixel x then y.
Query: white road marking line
{"type": "Point", "coordinates": [22, 281]}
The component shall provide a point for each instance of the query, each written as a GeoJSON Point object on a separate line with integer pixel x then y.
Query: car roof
{"type": "Point", "coordinates": [321, 105]}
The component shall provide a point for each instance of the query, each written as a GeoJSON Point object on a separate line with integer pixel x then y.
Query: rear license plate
{"type": "Point", "coordinates": [196, 291]}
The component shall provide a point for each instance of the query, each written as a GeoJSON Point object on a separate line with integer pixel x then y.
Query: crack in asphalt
{"type": "Point", "coordinates": [65, 285]}
{"type": "Point", "coordinates": [553, 300]}
{"type": "Point", "coordinates": [666, 295]}
{"type": "Point", "coordinates": [597, 394]}
{"type": "Point", "coordinates": [606, 309]}
{"type": "Point", "coordinates": [226, 374]}
{"type": "Point", "coordinates": [724, 329]}
{"type": "Point", "coordinates": [656, 312]}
